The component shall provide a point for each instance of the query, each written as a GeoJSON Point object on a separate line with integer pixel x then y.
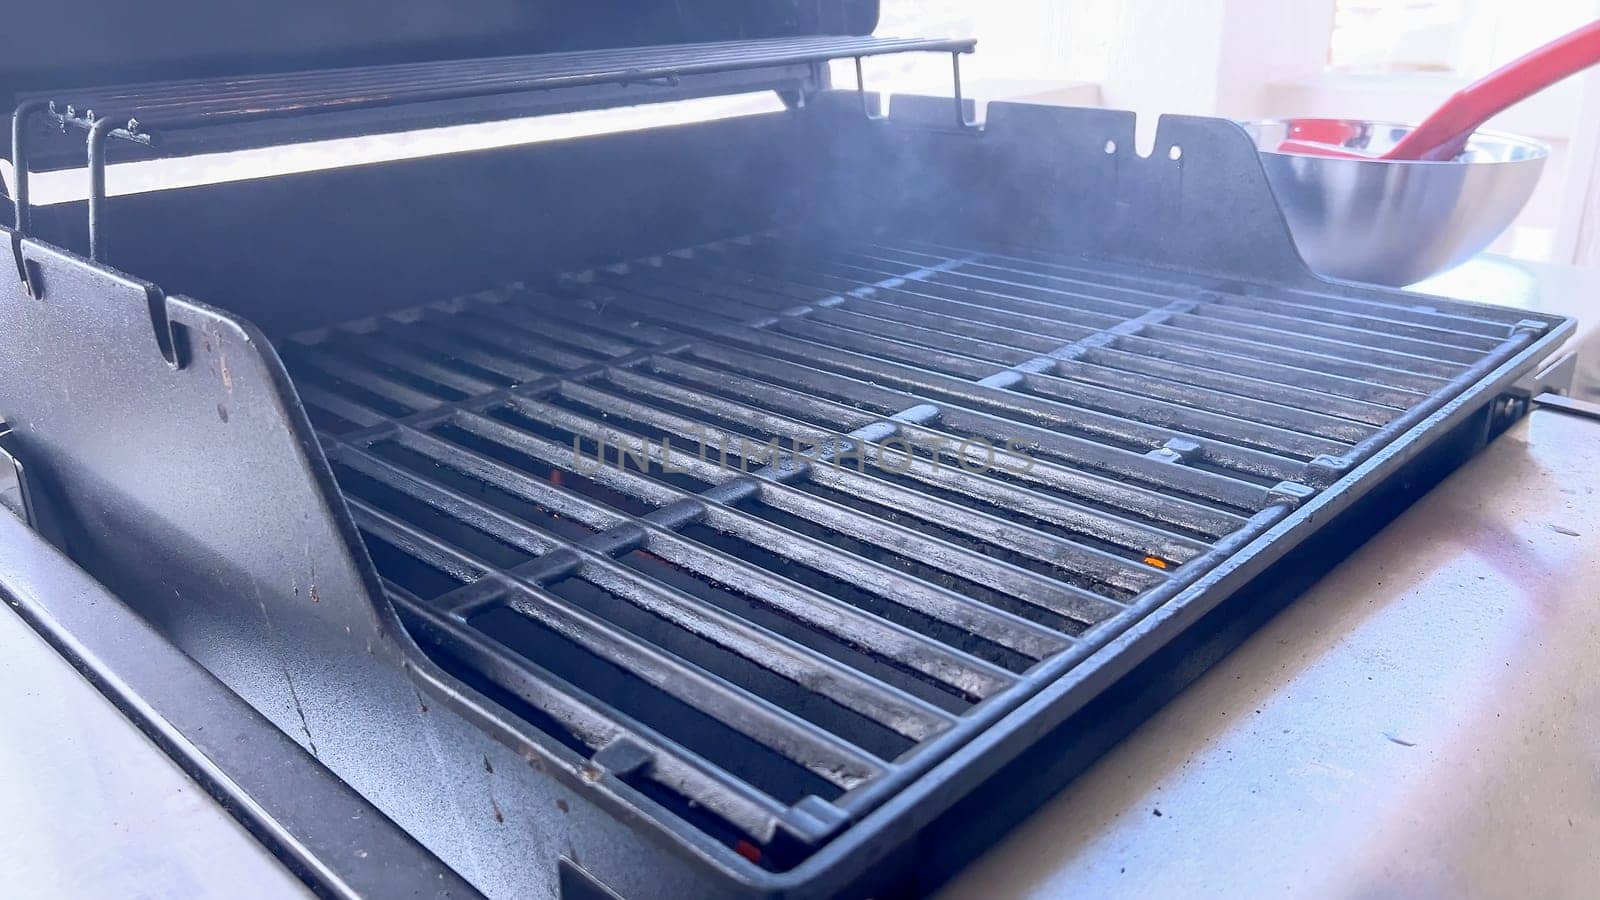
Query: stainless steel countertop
{"type": "Point", "coordinates": [90, 807]}
{"type": "Point", "coordinates": [1426, 720]}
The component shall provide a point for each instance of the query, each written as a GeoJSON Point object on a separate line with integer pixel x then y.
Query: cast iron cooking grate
{"type": "Point", "coordinates": [573, 498]}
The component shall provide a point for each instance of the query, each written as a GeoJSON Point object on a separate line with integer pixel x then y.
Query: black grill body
{"type": "Point", "coordinates": [364, 482]}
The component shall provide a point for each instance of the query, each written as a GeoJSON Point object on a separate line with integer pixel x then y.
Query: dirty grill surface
{"type": "Point", "coordinates": [766, 528]}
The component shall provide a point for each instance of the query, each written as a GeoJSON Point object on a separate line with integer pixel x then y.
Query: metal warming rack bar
{"type": "Point", "coordinates": [784, 646]}
{"type": "Point", "coordinates": [141, 113]}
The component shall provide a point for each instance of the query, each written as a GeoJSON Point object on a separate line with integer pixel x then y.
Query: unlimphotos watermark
{"type": "Point", "coordinates": [702, 451]}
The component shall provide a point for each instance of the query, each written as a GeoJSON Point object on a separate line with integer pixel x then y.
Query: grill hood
{"type": "Point", "coordinates": [77, 42]}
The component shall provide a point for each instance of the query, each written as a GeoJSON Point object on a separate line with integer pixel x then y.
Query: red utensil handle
{"type": "Point", "coordinates": [1443, 134]}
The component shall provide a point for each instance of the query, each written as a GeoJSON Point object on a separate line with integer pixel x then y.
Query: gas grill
{"type": "Point", "coordinates": [706, 509]}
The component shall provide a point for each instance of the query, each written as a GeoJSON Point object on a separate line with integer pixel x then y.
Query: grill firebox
{"type": "Point", "coordinates": [768, 527]}
{"type": "Point", "coordinates": [749, 569]}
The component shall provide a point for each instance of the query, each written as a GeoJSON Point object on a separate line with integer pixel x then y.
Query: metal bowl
{"type": "Point", "coordinates": [1394, 222]}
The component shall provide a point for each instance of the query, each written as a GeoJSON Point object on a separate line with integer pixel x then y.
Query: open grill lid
{"type": "Point", "coordinates": [391, 71]}
{"type": "Point", "coordinates": [72, 43]}
{"type": "Point", "coordinates": [233, 75]}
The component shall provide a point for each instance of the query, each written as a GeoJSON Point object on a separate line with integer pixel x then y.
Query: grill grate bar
{"type": "Point", "coordinates": [1297, 432]}
{"type": "Point", "coordinates": [1279, 405]}
{"type": "Point", "coordinates": [1454, 355]}
{"type": "Point", "coordinates": [999, 343]}
{"type": "Point", "coordinates": [1109, 366]}
{"type": "Point", "coordinates": [357, 415]}
{"type": "Point", "coordinates": [565, 309]}
{"type": "Point", "coordinates": [1096, 564]}
{"type": "Point", "coordinates": [505, 338]}
{"type": "Point", "coordinates": [1356, 344]}
{"type": "Point", "coordinates": [447, 346]}
{"type": "Point", "coordinates": [1281, 352]}
{"type": "Point", "coordinates": [548, 325]}
{"type": "Point", "coordinates": [684, 772]}
{"type": "Point", "coordinates": [1242, 399]}
{"type": "Point", "coordinates": [1086, 311]}
{"type": "Point", "coordinates": [1220, 425]}
{"type": "Point", "coordinates": [1064, 600]}
{"type": "Point", "coordinates": [899, 646]}
{"type": "Point", "coordinates": [824, 755]}
{"type": "Point", "coordinates": [1143, 540]}
{"type": "Point", "coordinates": [809, 410]}
{"type": "Point", "coordinates": [1401, 353]}
{"type": "Point", "coordinates": [1447, 317]}
{"type": "Point", "coordinates": [1329, 311]}
{"type": "Point", "coordinates": [1446, 323]}
{"type": "Point", "coordinates": [1107, 426]}
{"type": "Point", "coordinates": [367, 378]}
{"type": "Point", "coordinates": [396, 355]}
{"type": "Point", "coordinates": [859, 693]}
{"type": "Point", "coordinates": [997, 429]}
{"type": "Point", "coordinates": [438, 410]}
{"type": "Point", "coordinates": [1239, 361]}
{"type": "Point", "coordinates": [1388, 359]}
{"type": "Point", "coordinates": [1019, 331]}
{"type": "Point", "coordinates": [1185, 419]}
{"type": "Point", "coordinates": [931, 600]}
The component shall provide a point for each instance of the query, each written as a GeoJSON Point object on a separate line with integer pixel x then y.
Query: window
{"type": "Point", "coordinates": [1467, 38]}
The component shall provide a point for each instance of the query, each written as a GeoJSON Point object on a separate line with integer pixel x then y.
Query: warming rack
{"type": "Point", "coordinates": [142, 113]}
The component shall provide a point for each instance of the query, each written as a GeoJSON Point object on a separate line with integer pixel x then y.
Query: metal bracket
{"type": "Point", "coordinates": [96, 143]}
{"type": "Point", "coordinates": [1323, 470]}
{"type": "Point", "coordinates": [99, 131]}
{"type": "Point", "coordinates": [1571, 405]}
{"type": "Point", "coordinates": [962, 122]}
{"type": "Point", "coordinates": [1178, 451]}
{"type": "Point", "coordinates": [861, 91]}
{"type": "Point", "coordinates": [15, 492]}
{"type": "Point", "coordinates": [1555, 377]}
{"type": "Point", "coordinates": [1290, 494]}
{"type": "Point", "coordinates": [22, 208]}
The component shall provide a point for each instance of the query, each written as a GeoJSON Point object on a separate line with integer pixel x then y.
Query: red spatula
{"type": "Point", "coordinates": [1444, 134]}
